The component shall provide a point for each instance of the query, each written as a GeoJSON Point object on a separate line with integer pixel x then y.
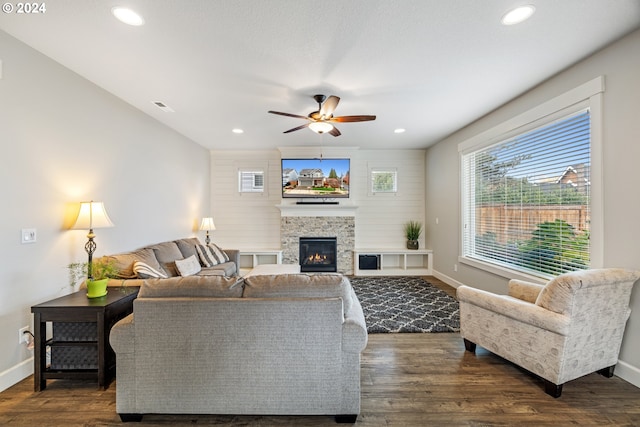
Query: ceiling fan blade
{"type": "Point", "coordinates": [329, 106]}
{"type": "Point", "coordinates": [346, 119]}
{"type": "Point", "coordinates": [289, 115]}
{"type": "Point", "coordinates": [298, 128]}
{"type": "Point", "coordinates": [335, 131]}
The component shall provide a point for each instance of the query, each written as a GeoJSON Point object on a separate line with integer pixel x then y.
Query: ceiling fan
{"type": "Point", "coordinates": [321, 121]}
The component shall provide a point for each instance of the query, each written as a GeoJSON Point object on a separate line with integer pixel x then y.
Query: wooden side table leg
{"type": "Point", "coordinates": [101, 351]}
{"type": "Point", "coordinates": [40, 356]}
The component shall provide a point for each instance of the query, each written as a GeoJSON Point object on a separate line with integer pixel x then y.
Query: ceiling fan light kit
{"type": "Point", "coordinates": [320, 127]}
{"type": "Point", "coordinates": [321, 121]}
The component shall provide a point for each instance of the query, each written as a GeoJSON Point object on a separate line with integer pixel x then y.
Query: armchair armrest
{"type": "Point", "coordinates": [516, 309]}
{"type": "Point", "coordinates": [525, 291]}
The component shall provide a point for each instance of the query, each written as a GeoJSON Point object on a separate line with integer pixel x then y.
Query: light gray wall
{"type": "Point", "coordinates": [64, 140]}
{"type": "Point", "coordinates": [620, 65]}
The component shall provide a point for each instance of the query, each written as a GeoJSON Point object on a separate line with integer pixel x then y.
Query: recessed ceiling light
{"type": "Point", "coordinates": [127, 16]}
{"type": "Point", "coordinates": [399, 130]}
{"type": "Point", "coordinates": [236, 130]}
{"type": "Point", "coordinates": [518, 15]}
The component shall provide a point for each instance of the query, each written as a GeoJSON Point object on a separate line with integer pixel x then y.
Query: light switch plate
{"type": "Point", "coordinates": [29, 235]}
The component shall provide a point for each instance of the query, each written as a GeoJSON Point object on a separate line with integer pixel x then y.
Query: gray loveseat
{"type": "Point", "coordinates": [286, 344]}
{"type": "Point", "coordinates": [161, 258]}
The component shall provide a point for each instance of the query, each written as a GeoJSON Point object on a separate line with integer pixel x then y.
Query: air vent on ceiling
{"type": "Point", "coordinates": [164, 107]}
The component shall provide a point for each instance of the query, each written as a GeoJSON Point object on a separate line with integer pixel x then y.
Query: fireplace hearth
{"type": "Point", "coordinates": [318, 254]}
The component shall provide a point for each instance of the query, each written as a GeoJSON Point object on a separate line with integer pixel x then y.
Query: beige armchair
{"type": "Point", "coordinates": [570, 327]}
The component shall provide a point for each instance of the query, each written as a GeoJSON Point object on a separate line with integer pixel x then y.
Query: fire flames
{"type": "Point", "coordinates": [316, 259]}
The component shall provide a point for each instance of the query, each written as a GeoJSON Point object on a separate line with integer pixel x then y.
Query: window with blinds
{"type": "Point", "coordinates": [526, 199]}
{"type": "Point", "coordinates": [251, 181]}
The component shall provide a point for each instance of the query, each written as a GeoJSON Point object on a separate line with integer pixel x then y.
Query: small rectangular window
{"type": "Point", "coordinates": [384, 180]}
{"type": "Point", "coordinates": [251, 181]}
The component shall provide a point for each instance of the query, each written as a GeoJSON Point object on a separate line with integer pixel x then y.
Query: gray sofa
{"type": "Point", "coordinates": [162, 258]}
{"type": "Point", "coordinates": [285, 344]}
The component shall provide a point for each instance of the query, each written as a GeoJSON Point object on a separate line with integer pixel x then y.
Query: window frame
{"type": "Point", "coordinates": [383, 170]}
{"type": "Point", "coordinates": [587, 96]}
{"type": "Point", "coordinates": [254, 172]}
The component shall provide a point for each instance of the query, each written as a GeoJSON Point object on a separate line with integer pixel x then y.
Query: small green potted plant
{"type": "Point", "coordinates": [412, 231]}
{"type": "Point", "coordinates": [101, 272]}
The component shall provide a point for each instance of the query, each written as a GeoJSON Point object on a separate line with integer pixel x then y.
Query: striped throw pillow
{"type": "Point", "coordinates": [145, 271]}
{"type": "Point", "coordinates": [211, 255]}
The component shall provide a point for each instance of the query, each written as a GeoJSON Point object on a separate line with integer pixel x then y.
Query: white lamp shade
{"type": "Point", "coordinates": [207, 224]}
{"type": "Point", "coordinates": [92, 215]}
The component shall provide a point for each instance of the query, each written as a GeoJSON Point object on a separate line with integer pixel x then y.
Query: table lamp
{"type": "Point", "coordinates": [207, 224]}
{"type": "Point", "coordinates": [92, 215]}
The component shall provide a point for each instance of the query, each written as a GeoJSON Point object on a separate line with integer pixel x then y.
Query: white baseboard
{"type": "Point", "coordinates": [16, 374]}
{"type": "Point", "coordinates": [446, 279]}
{"type": "Point", "coordinates": [627, 372]}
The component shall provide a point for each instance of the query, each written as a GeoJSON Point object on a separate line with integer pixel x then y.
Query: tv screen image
{"type": "Point", "coordinates": [317, 178]}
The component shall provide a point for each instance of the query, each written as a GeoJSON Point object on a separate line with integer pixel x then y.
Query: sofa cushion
{"type": "Point", "coordinates": [211, 255]}
{"type": "Point", "coordinates": [188, 246]}
{"type": "Point", "coordinates": [124, 262]}
{"type": "Point", "coordinates": [188, 266]}
{"type": "Point", "coordinates": [229, 268]}
{"type": "Point", "coordinates": [145, 271]}
{"type": "Point", "coordinates": [213, 271]}
{"type": "Point", "coordinates": [192, 286]}
{"type": "Point", "coordinates": [167, 253]}
{"type": "Point", "coordinates": [326, 285]}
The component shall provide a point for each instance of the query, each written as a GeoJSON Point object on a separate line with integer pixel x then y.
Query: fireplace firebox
{"type": "Point", "coordinates": [318, 254]}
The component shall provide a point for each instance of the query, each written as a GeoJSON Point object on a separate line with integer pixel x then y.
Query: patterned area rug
{"type": "Point", "coordinates": [405, 304]}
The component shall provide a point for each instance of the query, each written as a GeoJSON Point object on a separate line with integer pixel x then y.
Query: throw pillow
{"type": "Point", "coordinates": [211, 255]}
{"type": "Point", "coordinates": [188, 266]}
{"type": "Point", "coordinates": [145, 271]}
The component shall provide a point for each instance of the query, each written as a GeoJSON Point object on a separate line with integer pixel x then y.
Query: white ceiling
{"type": "Point", "coordinates": [429, 66]}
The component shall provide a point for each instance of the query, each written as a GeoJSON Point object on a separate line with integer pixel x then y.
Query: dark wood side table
{"type": "Point", "coordinates": [94, 318]}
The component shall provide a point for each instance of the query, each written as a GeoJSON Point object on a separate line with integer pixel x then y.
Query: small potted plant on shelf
{"type": "Point", "coordinates": [101, 272]}
{"type": "Point", "coordinates": [412, 231]}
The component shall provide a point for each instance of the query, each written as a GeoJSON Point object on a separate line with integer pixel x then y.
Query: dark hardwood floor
{"type": "Point", "coordinates": [407, 380]}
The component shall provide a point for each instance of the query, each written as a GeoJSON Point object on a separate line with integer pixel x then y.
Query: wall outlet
{"type": "Point", "coordinates": [455, 267]}
{"type": "Point", "coordinates": [23, 338]}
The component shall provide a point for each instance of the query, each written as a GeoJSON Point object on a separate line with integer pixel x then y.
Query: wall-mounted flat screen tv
{"type": "Point", "coordinates": [315, 178]}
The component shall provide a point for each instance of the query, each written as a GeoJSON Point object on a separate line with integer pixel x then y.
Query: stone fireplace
{"type": "Point", "coordinates": [297, 222]}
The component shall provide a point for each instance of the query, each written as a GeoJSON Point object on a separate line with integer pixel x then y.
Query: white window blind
{"type": "Point", "coordinates": [384, 180]}
{"type": "Point", "coordinates": [251, 181]}
{"type": "Point", "coordinates": [526, 200]}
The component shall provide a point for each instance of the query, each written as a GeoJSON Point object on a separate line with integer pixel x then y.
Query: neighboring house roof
{"type": "Point", "coordinates": [288, 171]}
{"type": "Point", "coordinates": [313, 172]}
{"type": "Point", "coordinates": [576, 175]}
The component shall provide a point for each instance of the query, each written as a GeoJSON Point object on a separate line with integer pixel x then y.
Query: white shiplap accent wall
{"type": "Point", "coordinates": [252, 220]}
{"type": "Point", "coordinates": [380, 217]}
